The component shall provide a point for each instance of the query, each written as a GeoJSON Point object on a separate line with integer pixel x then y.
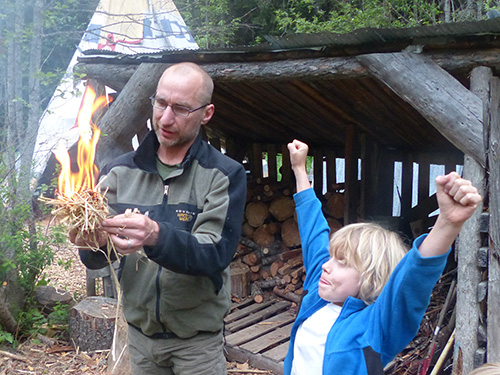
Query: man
{"type": "Point", "coordinates": [175, 273]}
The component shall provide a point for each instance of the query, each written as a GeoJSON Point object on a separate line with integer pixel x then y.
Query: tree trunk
{"type": "Point", "coordinates": [30, 129]}
{"type": "Point", "coordinates": [7, 321]}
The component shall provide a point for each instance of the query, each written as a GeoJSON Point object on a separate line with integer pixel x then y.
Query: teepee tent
{"type": "Point", "coordinates": [120, 27]}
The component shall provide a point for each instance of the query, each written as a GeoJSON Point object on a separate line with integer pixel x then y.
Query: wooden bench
{"type": "Point", "coordinates": [108, 283]}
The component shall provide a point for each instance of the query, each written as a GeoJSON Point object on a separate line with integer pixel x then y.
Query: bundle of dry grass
{"type": "Point", "coordinates": [82, 211]}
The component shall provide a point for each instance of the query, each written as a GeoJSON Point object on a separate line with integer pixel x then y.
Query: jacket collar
{"type": "Point", "coordinates": [145, 155]}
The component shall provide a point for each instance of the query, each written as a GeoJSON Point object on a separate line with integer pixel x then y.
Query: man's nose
{"type": "Point", "coordinates": [168, 115]}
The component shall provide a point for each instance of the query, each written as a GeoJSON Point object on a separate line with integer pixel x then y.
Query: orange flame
{"type": "Point", "coordinates": [70, 182]}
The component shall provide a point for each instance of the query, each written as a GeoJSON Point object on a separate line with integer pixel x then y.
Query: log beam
{"type": "Point", "coordinates": [117, 75]}
{"type": "Point", "coordinates": [453, 110]}
{"type": "Point", "coordinates": [127, 115]}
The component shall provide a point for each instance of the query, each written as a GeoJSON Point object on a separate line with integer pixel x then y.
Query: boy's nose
{"type": "Point", "coordinates": [327, 266]}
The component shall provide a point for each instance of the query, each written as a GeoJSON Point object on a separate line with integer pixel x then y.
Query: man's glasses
{"type": "Point", "coordinates": [179, 110]}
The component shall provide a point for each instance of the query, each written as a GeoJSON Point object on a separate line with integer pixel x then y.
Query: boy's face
{"type": "Point", "coordinates": [338, 281]}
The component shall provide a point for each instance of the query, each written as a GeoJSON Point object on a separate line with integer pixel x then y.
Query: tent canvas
{"type": "Point", "coordinates": [126, 27]}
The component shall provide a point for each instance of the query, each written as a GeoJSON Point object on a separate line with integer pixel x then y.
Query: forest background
{"type": "Point", "coordinates": [37, 41]}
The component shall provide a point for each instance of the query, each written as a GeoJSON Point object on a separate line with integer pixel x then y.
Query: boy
{"type": "Point", "coordinates": [362, 305]}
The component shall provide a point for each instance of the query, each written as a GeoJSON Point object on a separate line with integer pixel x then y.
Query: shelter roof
{"type": "Point", "coordinates": [311, 86]}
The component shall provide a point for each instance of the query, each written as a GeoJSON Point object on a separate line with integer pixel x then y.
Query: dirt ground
{"type": "Point", "coordinates": [42, 355]}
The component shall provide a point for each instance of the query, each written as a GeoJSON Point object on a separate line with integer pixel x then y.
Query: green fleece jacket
{"type": "Point", "coordinates": [182, 284]}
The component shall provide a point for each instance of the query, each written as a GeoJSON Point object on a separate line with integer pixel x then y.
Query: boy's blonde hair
{"type": "Point", "coordinates": [487, 369]}
{"type": "Point", "coordinates": [372, 250]}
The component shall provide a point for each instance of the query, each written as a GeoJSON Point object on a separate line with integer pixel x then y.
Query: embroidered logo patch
{"type": "Point", "coordinates": [184, 215]}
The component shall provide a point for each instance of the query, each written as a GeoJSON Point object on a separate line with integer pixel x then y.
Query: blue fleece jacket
{"type": "Point", "coordinates": [364, 337]}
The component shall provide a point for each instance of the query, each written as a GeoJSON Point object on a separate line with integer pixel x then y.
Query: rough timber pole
{"type": "Point", "coordinates": [469, 242]}
{"type": "Point", "coordinates": [493, 311]}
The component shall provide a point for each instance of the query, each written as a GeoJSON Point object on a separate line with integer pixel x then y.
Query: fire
{"type": "Point", "coordinates": [70, 182]}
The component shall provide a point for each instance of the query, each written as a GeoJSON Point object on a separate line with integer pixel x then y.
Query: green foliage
{"type": "Point", "coordinates": [25, 250]}
{"type": "Point", "coordinates": [24, 247]}
{"type": "Point", "coordinates": [32, 322]}
{"type": "Point", "coordinates": [224, 23]}
{"type": "Point", "coordinates": [304, 17]}
{"type": "Point", "coordinates": [209, 21]}
{"type": "Point", "coordinates": [58, 317]}
{"type": "Point", "coordinates": [6, 337]}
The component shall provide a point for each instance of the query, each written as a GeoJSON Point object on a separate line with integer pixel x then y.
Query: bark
{"type": "Point", "coordinates": [92, 323]}
{"type": "Point", "coordinates": [493, 317]}
{"type": "Point", "coordinates": [117, 75]}
{"type": "Point", "coordinates": [29, 130]}
{"type": "Point", "coordinates": [469, 243]}
{"type": "Point", "coordinates": [128, 114]}
{"type": "Point", "coordinates": [7, 321]}
{"type": "Point", "coordinates": [453, 110]}
{"type": "Point", "coordinates": [256, 213]}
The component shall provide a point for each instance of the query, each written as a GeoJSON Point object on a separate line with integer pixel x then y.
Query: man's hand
{"type": "Point", "coordinates": [88, 240]}
{"type": "Point", "coordinates": [131, 231]}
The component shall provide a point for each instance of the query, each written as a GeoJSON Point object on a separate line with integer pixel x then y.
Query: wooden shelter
{"type": "Point", "coordinates": [375, 99]}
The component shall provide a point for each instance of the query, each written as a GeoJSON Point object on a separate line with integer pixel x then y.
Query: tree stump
{"type": "Point", "coordinates": [240, 279]}
{"type": "Point", "coordinates": [92, 323]}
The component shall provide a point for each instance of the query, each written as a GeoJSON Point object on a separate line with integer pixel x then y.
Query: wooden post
{"type": "Point", "coordinates": [318, 171]}
{"type": "Point", "coordinates": [469, 243]}
{"type": "Point", "coordinates": [369, 178]}
{"type": "Point", "coordinates": [384, 182]}
{"type": "Point", "coordinates": [272, 163]}
{"type": "Point", "coordinates": [236, 148]}
{"type": "Point", "coordinates": [493, 312]}
{"type": "Point", "coordinates": [256, 161]}
{"type": "Point", "coordinates": [286, 170]}
{"type": "Point", "coordinates": [215, 141]}
{"type": "Point", "coordinates": [423, 179]}
{"type": "Point", "coordinates": [351, 177]}
{"type": "Point", "coordinates": [364, 187]}
{"type": "Point", "coordinates": [406, 191]}
{"type": "Point", "coordinates": [331, 170]}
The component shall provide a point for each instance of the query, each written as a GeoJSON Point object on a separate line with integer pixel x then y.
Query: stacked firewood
{"type": "Point", "coordinates": [269, 256]}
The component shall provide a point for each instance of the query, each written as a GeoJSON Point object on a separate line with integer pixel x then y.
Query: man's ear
{"type": "Point", "coordinates": [208, 113]}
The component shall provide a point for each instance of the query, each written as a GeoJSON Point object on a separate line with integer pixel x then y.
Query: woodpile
{"type": "Point", "coordinates": [269, 255]}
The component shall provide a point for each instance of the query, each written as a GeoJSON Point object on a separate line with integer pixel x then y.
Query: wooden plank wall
{"type": "Point", "coordinates": [367, 198]}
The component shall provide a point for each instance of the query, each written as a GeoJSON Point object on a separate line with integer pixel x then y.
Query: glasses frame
{"type": "Point", "coordinates": [189, 111]}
